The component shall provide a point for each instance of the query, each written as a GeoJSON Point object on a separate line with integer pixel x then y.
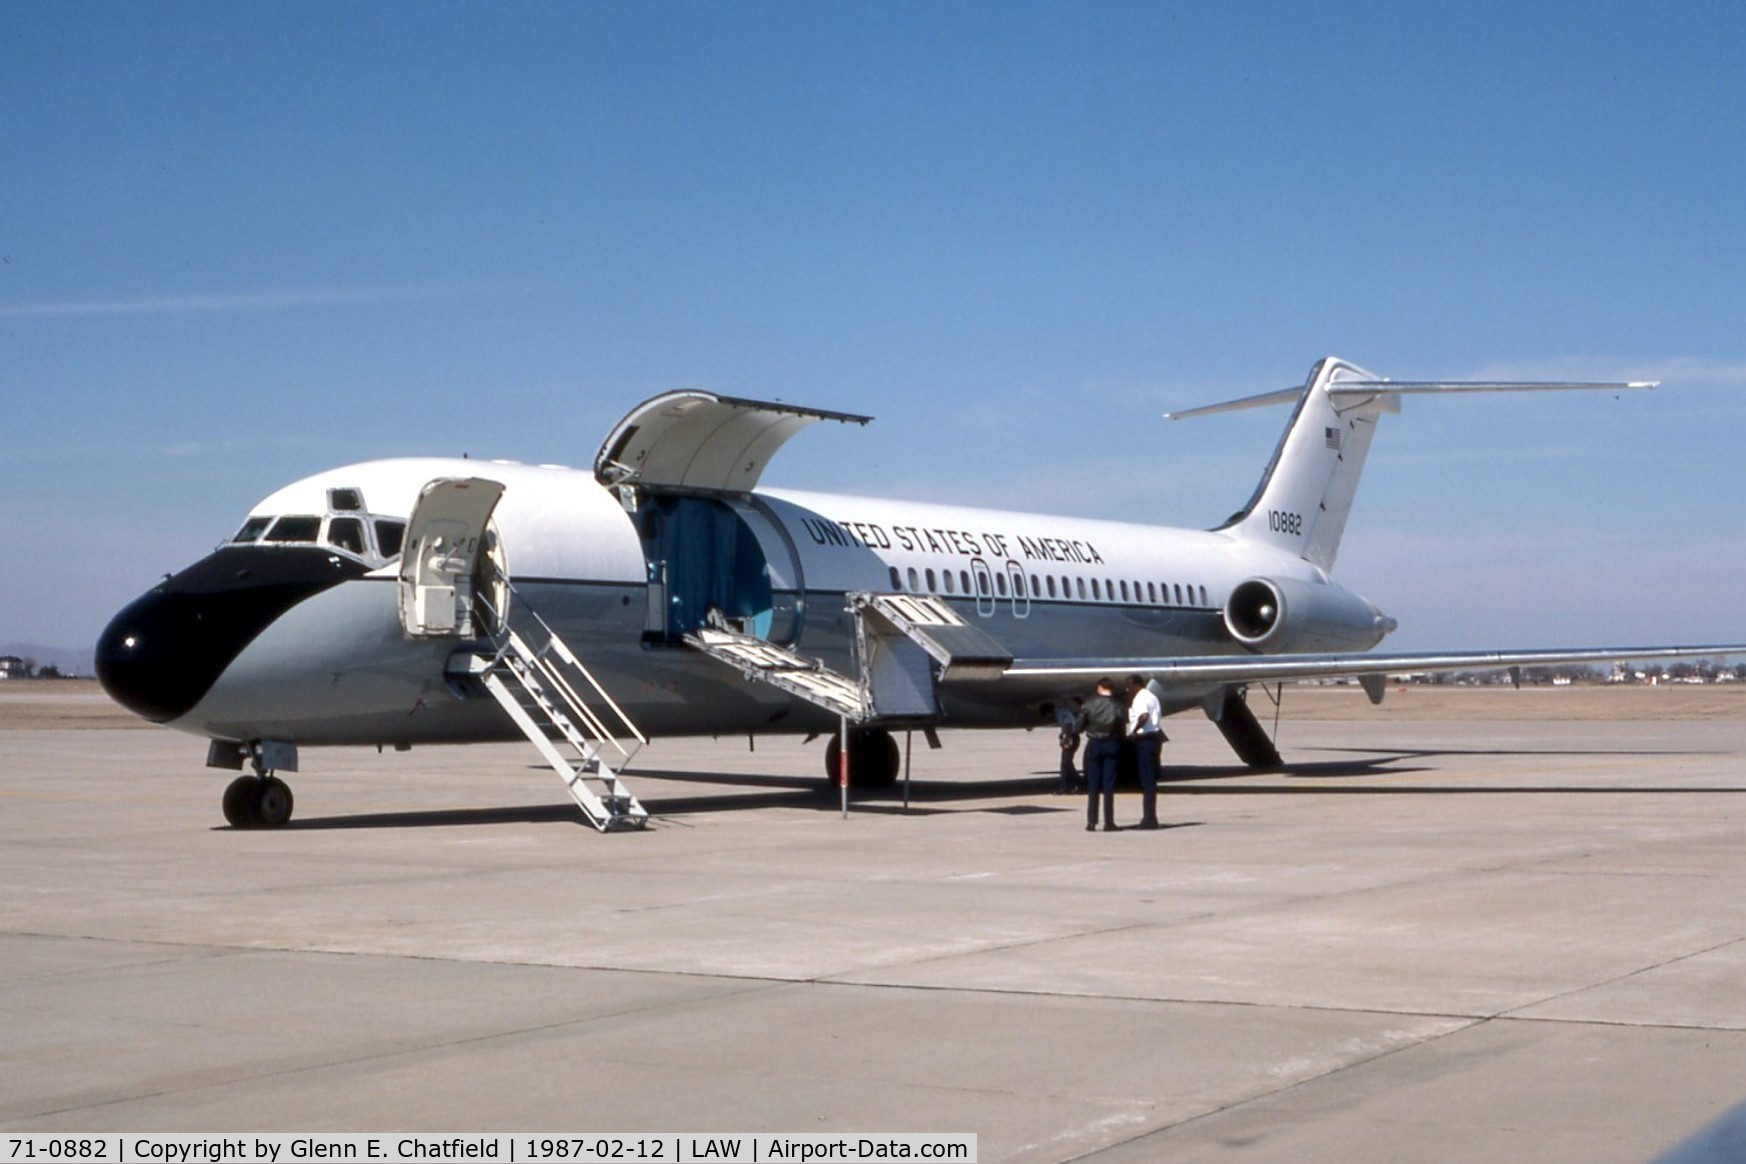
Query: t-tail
{"type": "Point", "coordinates": [1305, 496]}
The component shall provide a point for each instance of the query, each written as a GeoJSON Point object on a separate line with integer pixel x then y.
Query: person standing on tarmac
{"type": "Point", "coordinates": [1146, 730]}
{"type": "Point", "coordinates": [1069, 717]}
{"type": "Point", "coordinates": [1103, 744]}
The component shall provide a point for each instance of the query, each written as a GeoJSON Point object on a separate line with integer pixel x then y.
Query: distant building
{"type": "Point", "coordinates": [12, 667]}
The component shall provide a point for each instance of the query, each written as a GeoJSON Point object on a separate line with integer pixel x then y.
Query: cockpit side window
{"type": "Point", "coordinates": [389, 535]}
{"type": "Point", "coordinates": [347, 533]}
{"type": "Point", "coordinates": [252, 529]}
{"type": "Point", "coordinates": [295, 528]}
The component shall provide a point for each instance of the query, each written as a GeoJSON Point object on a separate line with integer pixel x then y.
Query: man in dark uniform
{"type": "Point", "coordinates": [1103, 744]}
{"type": "Point", "coordinates": [1069, 718]}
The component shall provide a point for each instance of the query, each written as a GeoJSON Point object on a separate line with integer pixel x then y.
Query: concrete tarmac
{"type": "Point", "coordinates": [1425, 941]}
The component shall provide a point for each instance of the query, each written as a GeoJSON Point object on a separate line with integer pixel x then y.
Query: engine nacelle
{"type": "Point", "coordinates": [1286, 616]}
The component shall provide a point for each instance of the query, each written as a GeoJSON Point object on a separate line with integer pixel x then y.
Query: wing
{"type": "Point", "coordinates": [1215, 670]}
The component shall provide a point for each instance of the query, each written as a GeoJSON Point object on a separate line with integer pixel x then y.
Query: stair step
{"type": "Point", "coordinates": [531, 686]}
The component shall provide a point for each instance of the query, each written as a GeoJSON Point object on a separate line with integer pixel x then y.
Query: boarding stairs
{"type": "Point", "coordinates": [905, 644]}
{"type": "Point", "coordinates": [760, 660]}
{"type": "Point", "coordinates": [540, 686]}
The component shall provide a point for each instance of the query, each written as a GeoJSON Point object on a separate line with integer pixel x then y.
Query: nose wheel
{"type": "Point", "coordinates": [257, 802]}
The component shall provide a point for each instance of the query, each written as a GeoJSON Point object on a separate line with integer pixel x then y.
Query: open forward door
{"type": "Point", "coordinates": [452, 577]}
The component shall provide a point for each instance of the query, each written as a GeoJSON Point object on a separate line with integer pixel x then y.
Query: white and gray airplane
{"type": "Point", "coordinates": [424, 601]}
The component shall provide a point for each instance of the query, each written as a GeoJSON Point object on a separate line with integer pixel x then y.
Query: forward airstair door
{"type": "Point", "coordinates": [447, 560]}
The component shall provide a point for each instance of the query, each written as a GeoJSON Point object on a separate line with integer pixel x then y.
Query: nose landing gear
{"type": "Point", "coordinates": [260, 801]}
{"type": "Point", "coordinates": [257, 802]}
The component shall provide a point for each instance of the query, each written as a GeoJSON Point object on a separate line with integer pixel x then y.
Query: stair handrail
{"type": "Point", "coordinates": [500, 638]}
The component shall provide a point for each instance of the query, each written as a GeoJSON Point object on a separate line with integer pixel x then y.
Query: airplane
{"type": "Point", "coordinates": [431, 601]}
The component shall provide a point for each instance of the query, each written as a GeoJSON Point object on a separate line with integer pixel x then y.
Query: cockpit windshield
{"type": "Point", "coordinates": [347, 526]}
{"type": "Point", "coordinates": [295, 528]}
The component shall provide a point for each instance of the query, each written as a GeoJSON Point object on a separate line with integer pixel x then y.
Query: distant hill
{"type": "Point", "coordinates": [70, 660]}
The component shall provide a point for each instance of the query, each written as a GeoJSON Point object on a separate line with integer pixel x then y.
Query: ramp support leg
{"type": "Point", "coordinates": [1244, 733]}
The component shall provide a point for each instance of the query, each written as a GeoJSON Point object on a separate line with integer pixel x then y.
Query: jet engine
{"type": "Point", "coordinates": [1285, 615]}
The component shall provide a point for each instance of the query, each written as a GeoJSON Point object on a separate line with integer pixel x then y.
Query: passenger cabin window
{"type": "Point", "coordinates": [931, 587]}
{"type": "Point", "coordinates": [297, 528]}
{"type": "Point", "coordinates": [896, 581]}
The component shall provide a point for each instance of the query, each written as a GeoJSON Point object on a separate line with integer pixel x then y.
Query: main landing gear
{"type": "Point", "coordinates": [875, 760]}
{"type": "Point", "coordinates": [261, 801]}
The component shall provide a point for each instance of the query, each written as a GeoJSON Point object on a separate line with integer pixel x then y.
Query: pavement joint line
{"type": "Point", "coordinates": [1626, 976]}
{"type": "Point", "coordinates": [385, 1056]}
{"type": "Point", "coordinates": [837, 980]}
{"type": "Point", "coordinates": [1262, 1096]}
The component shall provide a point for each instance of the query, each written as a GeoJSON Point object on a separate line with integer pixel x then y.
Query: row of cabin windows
{"type": "Point", "coordinates": [1063, 586]}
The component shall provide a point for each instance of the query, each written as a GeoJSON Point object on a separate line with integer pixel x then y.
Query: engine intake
{"type": "Point", "coordinates": [1285, 615]}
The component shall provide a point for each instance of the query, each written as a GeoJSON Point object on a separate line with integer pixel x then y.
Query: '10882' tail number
{"type": "Point", "coordinates": [1286, 523]}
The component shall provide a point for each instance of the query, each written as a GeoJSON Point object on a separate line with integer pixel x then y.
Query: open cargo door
{"type": "Point", "coordinates": [697, 442]}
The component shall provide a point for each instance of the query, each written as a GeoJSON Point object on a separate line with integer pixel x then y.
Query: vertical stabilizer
{"type": "Point", "coordinates": [1306, 494]}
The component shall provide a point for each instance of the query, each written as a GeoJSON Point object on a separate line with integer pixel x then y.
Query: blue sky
{"type": "Point", "coordinates": [241, 243]}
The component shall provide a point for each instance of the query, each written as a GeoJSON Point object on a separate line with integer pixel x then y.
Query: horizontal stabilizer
{"type": "Point", "coordinates": [1364, 389]}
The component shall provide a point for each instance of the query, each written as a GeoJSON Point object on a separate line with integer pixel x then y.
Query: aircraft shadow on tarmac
{"type": "Point", "coordinates": [778, 792]}
{"type": "Point", "coordinates": [1401, 761]}
{"type": "Point", "coordinates": [927, 797]}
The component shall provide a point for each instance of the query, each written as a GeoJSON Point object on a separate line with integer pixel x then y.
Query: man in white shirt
{"type": "Point", "coordinates": [1146, 730]}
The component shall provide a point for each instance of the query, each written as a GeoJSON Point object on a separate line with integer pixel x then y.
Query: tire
{"type": "Point", "coordinates": [238, 802]}
{"type": "Point", "coordinates": [875, 760]}
{"type": "Point", "coordinates": [272, 803]}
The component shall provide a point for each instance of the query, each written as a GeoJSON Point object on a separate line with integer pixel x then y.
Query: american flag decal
{"type": "Point", "coordinates": [1332, 436]}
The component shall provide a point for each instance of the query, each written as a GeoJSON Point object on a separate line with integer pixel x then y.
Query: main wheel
{"type": "Point", "coordinates": [239, 801]}
{"type": "Point", "coordinates": [875, 760]}
{"type": "Point", "coordinates": [272, 802]}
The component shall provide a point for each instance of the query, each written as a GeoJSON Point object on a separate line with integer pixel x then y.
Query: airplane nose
{"type": "Point", "coordinates": [157, 658]}
{"type": "Point", "coordinates": [161, 655]}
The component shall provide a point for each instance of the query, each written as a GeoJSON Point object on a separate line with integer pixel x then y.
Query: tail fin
{"type": "Point", "coordinates": [1305, 496]}
{"type": "Point", "coordinates": [1306, 493]}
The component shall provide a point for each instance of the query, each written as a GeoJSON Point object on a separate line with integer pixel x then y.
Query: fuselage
{"type": "Point", "coordinates": [294, 631]}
